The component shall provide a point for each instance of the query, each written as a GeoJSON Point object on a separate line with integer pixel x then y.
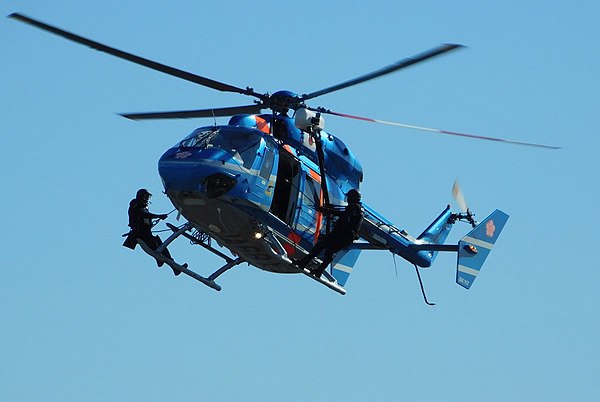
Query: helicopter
{"type": "Point", "coordinates": [260, 185]}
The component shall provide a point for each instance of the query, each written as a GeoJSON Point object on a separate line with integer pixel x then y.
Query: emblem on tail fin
{"type": "Point", "coordinates": [490, 228]}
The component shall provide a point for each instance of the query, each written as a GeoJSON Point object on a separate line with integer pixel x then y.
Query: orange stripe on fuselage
{"type": "Point", "coordinates": [319, 216]}
{"type": "Point", "coordinates": [262, 125]}
{"type": "Point", "coordinates": [314, 175]}
{"type": "Point", "coordinates": [289, 150]}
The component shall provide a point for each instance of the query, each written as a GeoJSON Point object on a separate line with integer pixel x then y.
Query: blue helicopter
{"type": "Point", "coordinates": [256, 186]}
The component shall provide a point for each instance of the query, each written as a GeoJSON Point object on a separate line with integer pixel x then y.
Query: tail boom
{"type": "Point", "coordinates": [472, 250]}
{"type": "Point", "coordinates": [383, 235]}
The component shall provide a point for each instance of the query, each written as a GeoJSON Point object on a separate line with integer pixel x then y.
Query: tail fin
{"type": "Point", "coordinates": [474, 248]}
{"type": "Point", "coordinates": [342, 265]}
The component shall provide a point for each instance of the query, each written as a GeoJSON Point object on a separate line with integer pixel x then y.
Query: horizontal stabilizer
{"type": "Point", "coordinates": [474, 248]}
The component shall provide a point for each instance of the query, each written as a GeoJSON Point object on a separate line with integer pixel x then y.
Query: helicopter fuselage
{"type": "Point", "coordinates": [255, 193]}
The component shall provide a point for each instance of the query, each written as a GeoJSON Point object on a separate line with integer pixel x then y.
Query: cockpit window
{"type": "Point", "coordinates": [242, 145]}
{"type": "Point", "coordinates": [197, 139]}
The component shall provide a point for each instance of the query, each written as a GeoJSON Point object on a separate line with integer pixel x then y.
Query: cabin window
{"type": "Point", "coordinates": [267, 166]}
{"type": "Point", "coordinates": [312, 192]}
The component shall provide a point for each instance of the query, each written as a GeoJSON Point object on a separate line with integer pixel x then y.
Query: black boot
{"type": "Point", "coordinates": [318, 272]}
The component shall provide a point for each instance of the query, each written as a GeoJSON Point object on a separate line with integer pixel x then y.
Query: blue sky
{"type": "Point", "coordinates": [86, 319]}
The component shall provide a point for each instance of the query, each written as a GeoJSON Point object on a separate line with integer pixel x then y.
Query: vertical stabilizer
{"type": "Point", "coordinates": [474, 248]}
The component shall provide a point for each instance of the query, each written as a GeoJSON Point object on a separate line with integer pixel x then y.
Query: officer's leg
{"type": "Point", "coordinates": [315, 251]}
{"type": "Point", "coordinates": [165, 251]}
{"type": "Point", "coordinates": [328, 257]}
{"type": "Point", "coordinates": [166, 254]}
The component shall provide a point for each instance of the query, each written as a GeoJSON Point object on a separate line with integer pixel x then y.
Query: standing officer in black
{"type": "Point", "coordinates": [140, 222]}
{"type": "Point", "coordinates": [345, 232]}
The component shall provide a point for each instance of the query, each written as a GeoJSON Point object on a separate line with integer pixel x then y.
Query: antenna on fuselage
{"type": "Point", "coordinates": [214, 117]}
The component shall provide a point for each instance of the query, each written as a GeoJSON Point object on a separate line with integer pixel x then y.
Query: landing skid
{"type": "Point", "coordinates": [329, 283]}
{"type": "Point", "coordinates": [209, 281]}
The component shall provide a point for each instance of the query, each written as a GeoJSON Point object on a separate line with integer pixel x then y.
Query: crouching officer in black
{"type": "Point", "coordinates": [140, 222]}
{"type": "Point", "coordinates": [344, 233]}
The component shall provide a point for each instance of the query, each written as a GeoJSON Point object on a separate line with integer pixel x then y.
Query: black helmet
{"type": "Point", "coordinates": [143, 194]}
{"type": "Point", "coordinates": [353, 196]}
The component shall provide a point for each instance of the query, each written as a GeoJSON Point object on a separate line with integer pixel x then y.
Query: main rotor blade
{"type": "Point", "coordinates": [188, 114]}
{"type": "Point", "coordinates": [386, 70]}
{"type": "Point", "coordinates": [136, 59]}
{"type": "Point", "coordinates": [435, 130]}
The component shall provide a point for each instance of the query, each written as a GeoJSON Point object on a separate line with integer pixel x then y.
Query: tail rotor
{"type": "Point", "coordinates": [465, 213]}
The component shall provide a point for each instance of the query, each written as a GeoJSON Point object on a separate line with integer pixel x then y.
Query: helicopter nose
{"type": "Point", "coordinates": [180, 174]}
{"type": "Point", "coordinates": [191, 175]}
{"type": "Point", "coordinates": [218, 184]}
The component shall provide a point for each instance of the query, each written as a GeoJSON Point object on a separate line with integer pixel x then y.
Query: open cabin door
{"type": "Point", "coordinates": [285, 197]}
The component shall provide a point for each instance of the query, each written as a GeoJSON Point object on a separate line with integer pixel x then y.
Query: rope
{"type": "Point", "coordinates": [155, 222]}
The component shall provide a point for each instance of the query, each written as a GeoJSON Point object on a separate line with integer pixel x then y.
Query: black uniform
{"type": "Point", "coordinates": [344, 233]}
{"type": "Point", "coordinates": [140, 222]}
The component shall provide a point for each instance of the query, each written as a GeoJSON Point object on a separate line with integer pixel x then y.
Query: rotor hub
{"type": "Point", "coordinates": [282, 101]}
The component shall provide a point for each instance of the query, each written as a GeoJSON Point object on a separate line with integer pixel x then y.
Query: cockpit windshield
{"type": "Point", "coordinates": [242, 145]}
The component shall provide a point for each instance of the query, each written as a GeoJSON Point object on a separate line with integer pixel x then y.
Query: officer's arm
{"type": "Point", "coordinates": [330, 211]}
{"type": "Point", "coordinates": [149, 215]}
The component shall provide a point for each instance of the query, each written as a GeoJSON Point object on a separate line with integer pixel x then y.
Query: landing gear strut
{"type": "Point", "coordinates": [182, 231]}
